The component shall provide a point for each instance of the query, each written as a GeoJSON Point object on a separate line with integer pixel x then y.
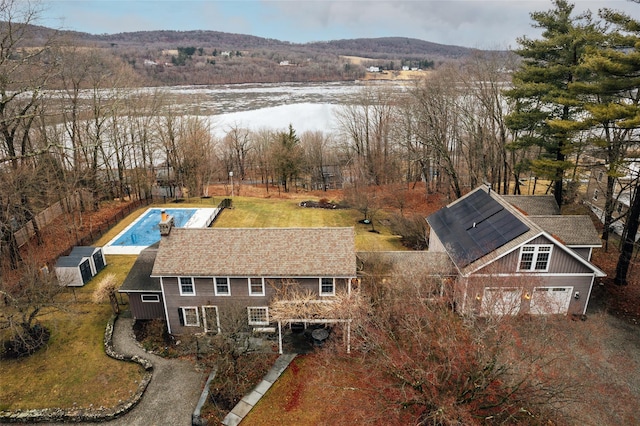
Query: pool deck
{"type": "Point", "coordinates": [202, 218]}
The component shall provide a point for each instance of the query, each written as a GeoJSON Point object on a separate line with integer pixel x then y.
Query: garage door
{"type": "Point", "coordinates": [550, 300]}
{"type": "Point", "coordinates": [501, 301]}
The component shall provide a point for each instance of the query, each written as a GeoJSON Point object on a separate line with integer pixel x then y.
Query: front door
{"type": "Point", "coordinates": [211, 319]}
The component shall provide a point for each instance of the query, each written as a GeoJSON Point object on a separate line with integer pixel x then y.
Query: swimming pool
{"type": "Point", "coordinates": [144, 231]}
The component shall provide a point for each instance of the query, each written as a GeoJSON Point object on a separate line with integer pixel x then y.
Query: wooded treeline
{"type": "Point", "coordinates": [574, 96]}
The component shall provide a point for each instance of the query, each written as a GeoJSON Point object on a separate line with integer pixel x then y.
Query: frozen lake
{"type": "Point", "coordinates": [306, 106]}
{"type": "Point", "coordinates": [303, 117]}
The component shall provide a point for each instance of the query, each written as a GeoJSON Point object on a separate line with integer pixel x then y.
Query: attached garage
{"type": "Point", "coordinates": [550, 300]}
{"type": "Point", "coordinates": [501, 301]}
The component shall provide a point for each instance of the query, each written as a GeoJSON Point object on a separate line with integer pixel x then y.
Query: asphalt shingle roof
{"type": "Point", "coordinates": [534, 229]}
{"type": "Point", "coordinates": [274, 252]}
{"type": "Point", "coordinates": [139, 278]}
{"type": "Point", "coordinates": [534, 205]}
{"type": "Point", "coordinates": [571, 230]}
{"type": "Point", "coordinates": [436, 263]}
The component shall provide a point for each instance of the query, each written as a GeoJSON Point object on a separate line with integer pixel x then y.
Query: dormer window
{"type": "Point", "coordinates": [534, 258]}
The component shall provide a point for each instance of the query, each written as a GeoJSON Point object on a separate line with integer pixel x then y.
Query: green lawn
{"type": "Point", "coordinates": [73, 370]}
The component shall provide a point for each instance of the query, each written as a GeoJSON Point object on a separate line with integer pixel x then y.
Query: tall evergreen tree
{"type": "Point", "coordinates": [615, 106]}
{"type": "Point", "coordinates": [608, 81]}
{"type": "Point", "coordinates": [287, 156]}
{"type": "Point", "coordinates": [545, 109]}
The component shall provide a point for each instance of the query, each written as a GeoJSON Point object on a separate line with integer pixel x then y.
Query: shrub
{"type": "Point", "coordinates": [413, 230]}
{"type": "Point", "coordinates": [26, 343]}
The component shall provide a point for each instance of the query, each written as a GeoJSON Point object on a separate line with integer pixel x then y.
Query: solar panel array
{"type": "Point", "coordinates": [475, 226]}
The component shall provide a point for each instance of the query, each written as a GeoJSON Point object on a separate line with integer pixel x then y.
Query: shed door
{"type": "Point", "coordinates": [85, 271]}
{"type": "Point", "coordinates": [501, 301]}
{"type": "Point", "coordinates": [98, 261]}
{"type": "Point", "coordinates": [551, 300]}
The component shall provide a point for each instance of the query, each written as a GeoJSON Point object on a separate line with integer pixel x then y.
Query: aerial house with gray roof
{"type": "Point", "coordinates": [510, 261]}
{"type": "Point", "coordinates": [206, 277]}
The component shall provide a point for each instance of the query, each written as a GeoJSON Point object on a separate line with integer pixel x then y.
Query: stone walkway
{"type": "Point", "coordinates": [245, 405]}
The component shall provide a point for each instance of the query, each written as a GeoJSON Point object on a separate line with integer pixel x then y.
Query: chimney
{"type": "Point", "coordinates": [166, 223]}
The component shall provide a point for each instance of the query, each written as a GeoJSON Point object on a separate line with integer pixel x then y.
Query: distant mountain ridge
{"type": "Point", "coordinates": [383, 47]}
{"type": "Point", "coordinates": [168, 57]}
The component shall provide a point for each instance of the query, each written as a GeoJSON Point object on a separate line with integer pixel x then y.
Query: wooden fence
{"type": "Point", "coordinates": [48, 215]}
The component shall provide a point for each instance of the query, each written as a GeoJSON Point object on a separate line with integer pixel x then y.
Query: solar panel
{"type": "Point", "coordinates": [475, 226]}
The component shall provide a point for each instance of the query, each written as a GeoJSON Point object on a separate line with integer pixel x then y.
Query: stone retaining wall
{"type": "Point", "coordinates": [87, 414]}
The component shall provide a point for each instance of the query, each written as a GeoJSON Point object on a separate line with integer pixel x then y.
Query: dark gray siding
{"type": "Point", "coordinates": [579, 283]}
{"type": "Point", "coordinates": [583, 252]}
{"type": "Point", "coordinates": [228, 306]}
{"type": "Point", "coordinates": [145, 310]}
{"type": "Point", "coordinates": [561, 261]}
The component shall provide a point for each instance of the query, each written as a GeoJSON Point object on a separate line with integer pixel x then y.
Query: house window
{"type": "Point", "coordinates": [189, 317]}
{"type": "Point", "coordinates": [256, 286]}
{"type": "Point", "coordinates": [535, 258]}
{"type": "Point", "coordinates": [258, 315]}
{"type": "Point", "coordinates": [150, 298]}
{"type": "Point", "coordinates": [619, 207]}
{"type": "Point", "coordinates": [595, 195]}
{"type": "Point", "coordinates": [222, 286]}
{"type": "Point", "coordinates": [186, 286]}
{"type": "Point", "coordinates": [600, 175]}
{"type": "Point", "coordinates": [327, 287]}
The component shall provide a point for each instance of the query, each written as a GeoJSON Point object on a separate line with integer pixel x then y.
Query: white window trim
{"type": "Point", "coordinates": [262, 293]}
{"type": "Point", "coordinates": [215, 286]}
{"type": "Point", "coordinates": [193, 285]}
{"type": "Point", "coordinates": [184, 316]}
{"type": "Point", "coordinates": [266, 310]}
{"type": "Point", "coordinates": [333, 292]}
{"type": "Point", "coordinates": [595, 195]}
{"type": "Point", "coordinates": [536, 252]}
{"type": "Point", "coordinates": [207, 327]}
{"type": "Point", "coordinates": [156, 298]}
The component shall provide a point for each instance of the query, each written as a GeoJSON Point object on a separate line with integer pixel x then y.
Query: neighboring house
{"type": "Point", "coordinates": [596, 192]}
{"type": "Point", "coordinates": [329, 177]}
{"type": "Point", "coordinates": [516, 254]}
{"type": "Point", "coordinates": [204, 276]}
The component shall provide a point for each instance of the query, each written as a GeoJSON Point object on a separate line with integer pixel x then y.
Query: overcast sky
{"type": "Point", "coordinates": [473, 23]}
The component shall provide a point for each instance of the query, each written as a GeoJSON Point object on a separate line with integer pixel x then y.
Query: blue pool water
{"type": "Point", "coordinates": [145, 231]}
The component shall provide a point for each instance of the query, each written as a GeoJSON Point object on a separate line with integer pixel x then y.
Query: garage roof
{"type": "Point", "coordinates": [474, 226]}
